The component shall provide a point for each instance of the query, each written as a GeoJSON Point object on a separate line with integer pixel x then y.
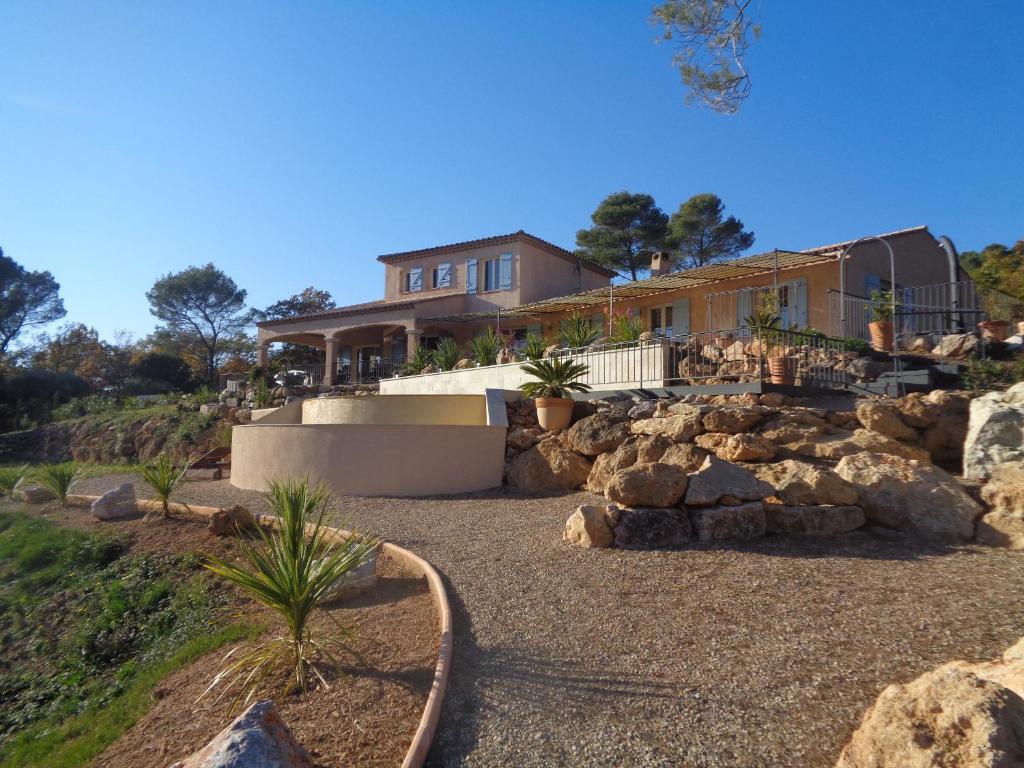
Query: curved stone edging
{"type": "Point", "coordinates": [424, 736]}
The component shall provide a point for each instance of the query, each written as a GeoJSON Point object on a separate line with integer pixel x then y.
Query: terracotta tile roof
{"type": "Point", "coordinates": [467, 245]}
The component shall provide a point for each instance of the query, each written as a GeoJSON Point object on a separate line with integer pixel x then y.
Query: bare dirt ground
{"type": "Point", "coordinates": [761, 654]}
{"type": "Point", "coordinates": [367, 717]}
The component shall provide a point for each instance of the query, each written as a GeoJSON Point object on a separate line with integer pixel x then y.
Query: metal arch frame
{"type": "Point", "coordinates": [842, 279]}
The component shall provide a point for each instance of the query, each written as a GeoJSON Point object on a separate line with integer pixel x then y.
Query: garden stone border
{"type": "Point", "coordinates": [424, 736]}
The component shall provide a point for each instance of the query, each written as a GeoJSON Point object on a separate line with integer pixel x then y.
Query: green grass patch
{"type": "Point", "coordinates": [87, 628]}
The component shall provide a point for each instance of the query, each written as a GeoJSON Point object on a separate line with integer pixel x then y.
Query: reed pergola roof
{"type": "Point", "coordinates": [760, 264]}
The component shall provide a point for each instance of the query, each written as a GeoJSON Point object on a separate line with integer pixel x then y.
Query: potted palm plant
{"type": "Point", "coordinates": [766, 325]}
{"type": "Point", "coordinates": [880, 327]}
{"type": "Point", "coordinates": [555, 378]}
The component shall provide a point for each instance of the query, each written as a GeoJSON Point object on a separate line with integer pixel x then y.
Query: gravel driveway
{"type": "Point", "coordinates": [761, 654]}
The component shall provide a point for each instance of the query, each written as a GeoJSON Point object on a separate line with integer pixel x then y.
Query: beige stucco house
{"type": "Point", "coordinates": [459, 289]}
{"type": "Point", "coordinates": [476, 277]}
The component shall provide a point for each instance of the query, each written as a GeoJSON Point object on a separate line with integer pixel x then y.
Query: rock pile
{"type": "Point", "coordinates": [745, 465]}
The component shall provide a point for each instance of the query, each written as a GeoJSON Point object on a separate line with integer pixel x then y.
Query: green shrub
{"type": "Point", "coordinates": [193, 425]}
{"type": "Point", "coordinates": [627, 327]}
{"type": "Point", "coordinates": [534, 346]}
{"type": "Point", "coordinates": [987, 375]}
{"type": "Point", "coordinates": [421, 358]}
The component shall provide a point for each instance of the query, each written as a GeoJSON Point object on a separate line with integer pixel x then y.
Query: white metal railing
{"type": "Point", "coordinates": [942, 308]}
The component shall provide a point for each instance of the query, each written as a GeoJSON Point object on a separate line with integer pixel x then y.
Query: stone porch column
{"type": "Point", "coordinates": [412, 341]}
{"type": "Point", "coordinates": [330, 361]}
{"type": "Point", "coordinates": [263, 356]}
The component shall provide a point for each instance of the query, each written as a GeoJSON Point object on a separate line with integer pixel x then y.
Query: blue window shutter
{"type": "Point", "coordinates": [416, 279]}
{"type": "Point", "coordinates": [798, 302]}
{"type": "Point", "coordinates": [680, 318]}
{"type": "Point", "coordinates": [505, 273]}
{"type": "Point", "coordinates": [470, 275]}
{"type": "Point", "coordinates": [871, 283]}
{"type": "Point", "coordinates": [444, 275]}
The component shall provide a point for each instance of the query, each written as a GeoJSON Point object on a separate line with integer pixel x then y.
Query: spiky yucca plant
{"type": "Point", "coordinates": [292, 570]}
{"type": "Point", "coordinates": [164, 478]}
{"type": "Point", "coordinates": [486, 347]}
{"type": "Point", "coordinates": [59, 479]}
{"type": "Point", "coordinates": [555, 377]}
{"type": "Point", "coordinates": [577, 331]}
{"type": "Point", "coordinates": [447, 353]}
{"type": "Point", "coordinates": [627, 327]}
{"type": "Point", "coordinates": [534, 346]}
{"type": "Point", "coordinates": [11, 478]}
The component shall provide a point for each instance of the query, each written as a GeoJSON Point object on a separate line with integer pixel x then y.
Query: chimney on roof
{"type": "Point", "coordinates": [661, 264]}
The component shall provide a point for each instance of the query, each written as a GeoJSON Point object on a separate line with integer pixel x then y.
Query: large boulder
{"type": "Point", "coordinates": [1003, 526]}
{"type": "Point", "coordinates": [607, 464]}
{"type": "Point", "coordinates": [681, 428]}
{"type": "Point", "coordinates": [797, 482]}
{"type": "Point", "coordinates": [257, 738]}
{"type": "Point", "coordinates": [731, 420]}
{"type": "Point", "coordinates": [916, 411]}
{"type": "Point", "coordinates": [912, 496]}
{"type": "Point", "coordinates": [231, 521]}
{"type": "Point", "coordinates": [836, 446]}
{"type": "Point", "coordinates": [119, 502]}
{"type": "Point", "coordinates": [652, 529]}
{"type": "Point", "coordinates": [648, 485]}
{"type": "Point", "coordinates": [360, 579]}
{"type": "Point", "coordinates": [818, 520]}
{"type": "Point", "coordinates": [522, 438]}
{"type": "Point", "coordinates": [550, 465]}
{"type": "Point", "coordinates": [883, 418]}
{"type": "Point", "coordinates": [590, 526]}
{"type": "Point", "coordinates": [686, 455]}
{"type": "Point", "coordinates": [742, 521]}
{"type": "Point", "coordinates": [960, 715]}
{"type": "Point", "coordinates": [651, 448]}
{"type": "Point", "coordinates": [599, 433]}
{"type": "Point", "coordinates": [957, 345]}
{"type": "Point", "coordinates": [716, 479]}
{"type": "Point", "coordinates": [33, 494]}
{"type": "Point", "coordinates": [746, 448]}
{"type": "Point", "coordinates": [995, 432]}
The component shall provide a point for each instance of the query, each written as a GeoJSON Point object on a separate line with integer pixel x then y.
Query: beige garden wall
{"type": "Point", "coordinates": [458, 409]}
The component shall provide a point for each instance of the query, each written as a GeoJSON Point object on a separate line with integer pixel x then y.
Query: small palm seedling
{"type": "Point", "coordinates": [11, 478]}
{"type": "Point", "coordinates": [59, 479]}
{"type": "Point", "coordinates": [164, 478]}
{"type": "Point", "coordinates": [554, 378]}
{"type": "Point", "coordinates": [293, 570]}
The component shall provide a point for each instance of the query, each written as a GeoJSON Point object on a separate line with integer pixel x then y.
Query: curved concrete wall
{"type": "Point", "coordinates": [371, 459]}
{"type": "Point", "coordinates": [461, 410]}
{"type": "Point", "coordinates": [398, 445]}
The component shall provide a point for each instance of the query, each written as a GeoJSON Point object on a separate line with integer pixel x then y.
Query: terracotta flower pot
{"type": "Point", "coordinates": [781, 369]}
{"type": "Point", "coordinates": [554, 413]}
{"type": "Point", "coordinates": [995, 330]}
{"type": "Point", "coordinates": [881, 335]}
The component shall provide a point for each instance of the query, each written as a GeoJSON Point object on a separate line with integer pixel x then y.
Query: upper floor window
{"type": "Point", "coordinates": [498, 273]}
{"type": "Point", "coordinates": [441, 276]}
{"type": "Point", "coordinates": [414, 279]}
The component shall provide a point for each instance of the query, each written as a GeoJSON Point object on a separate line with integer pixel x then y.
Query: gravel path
{"type": "Point", "coordinates": [764, 654]}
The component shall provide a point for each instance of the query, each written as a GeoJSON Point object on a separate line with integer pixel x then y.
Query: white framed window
{"type": "Point", "coordinates": [660, 320]}
{"type": "Point", "coordinates": [498, 273]}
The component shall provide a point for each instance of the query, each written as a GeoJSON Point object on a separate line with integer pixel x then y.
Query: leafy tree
{"type": "Point", "coordinates": [72, 348]}
{"type": "Point", "coordinates": [203, 309]}
{"type": "Point", "coordinates": [627, 230]}
{"type": "Point", "coordinates": [307, 302]}
{"type": "Point", "coordinates": [713, 38]}
{"type": "Point", "coordinates": [702, 236]}
{"type": "Point", "coordinates": [166, 369]}
{"type": "Point", "coordinates": [997, 268]}
{"type": "Point", "coordinates": [34, 392]}
{"type": "Point", "coordinates": [27, 299]}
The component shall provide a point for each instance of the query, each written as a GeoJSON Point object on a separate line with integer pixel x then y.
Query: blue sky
{"type": "Point", "coordinates": [291, 143]}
